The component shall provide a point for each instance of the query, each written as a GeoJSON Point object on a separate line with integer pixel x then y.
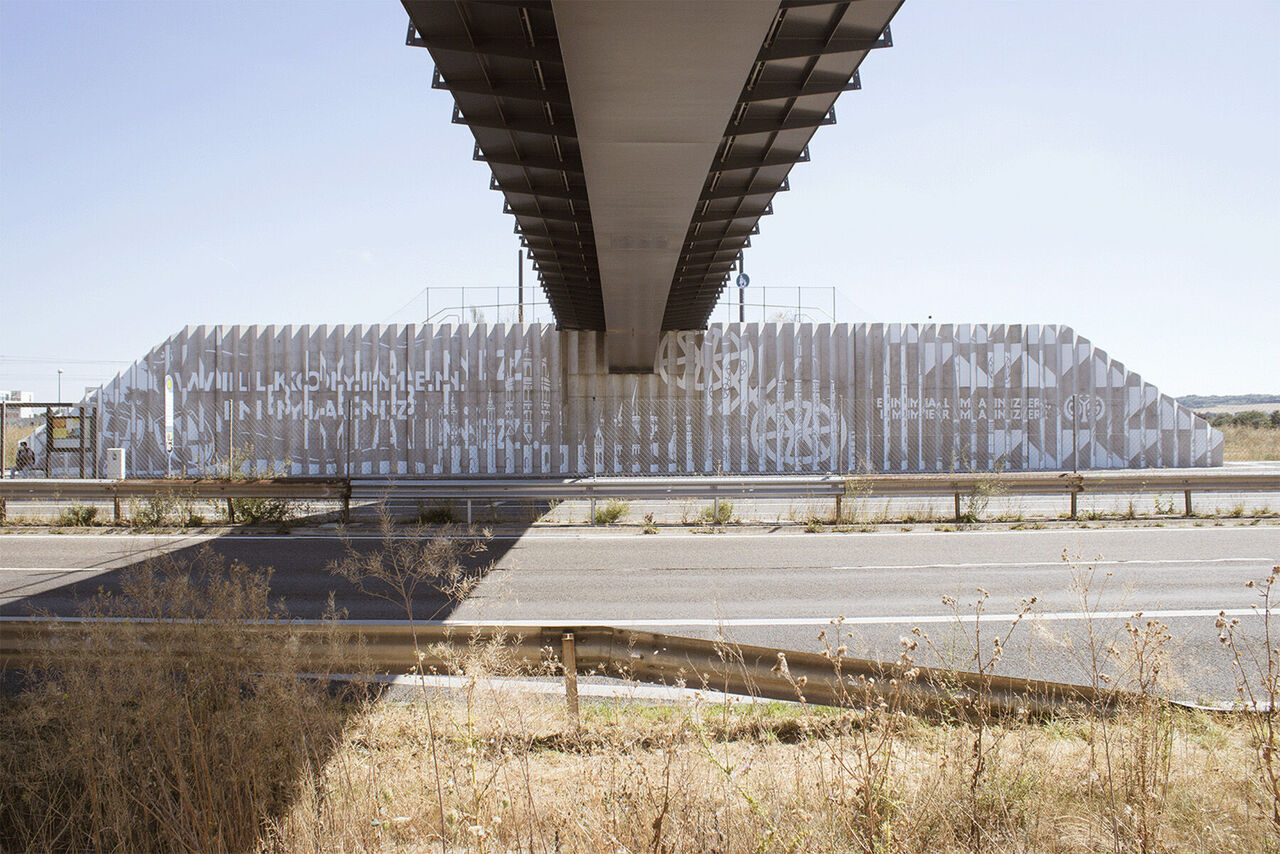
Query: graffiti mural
{"type": "Point", "coordinates": [428, 400]}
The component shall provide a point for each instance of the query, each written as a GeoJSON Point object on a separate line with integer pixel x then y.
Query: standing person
{"type": "Point", "coordinates": [24, 461]}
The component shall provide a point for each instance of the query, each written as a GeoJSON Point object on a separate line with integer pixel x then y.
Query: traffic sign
{"type": "Point", "coordinates": [743, 280]}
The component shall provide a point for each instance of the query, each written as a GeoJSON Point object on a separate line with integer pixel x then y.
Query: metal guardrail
{"type": "Point", "coordinates": [837, 487]}
{"type": "Point", "coordinates": [203, 489]}
{"type": "Point", "coordinates": [569, 650]}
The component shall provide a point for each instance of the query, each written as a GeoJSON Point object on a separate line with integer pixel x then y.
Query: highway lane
{"type": "Point", "coordinates": [773, 589]}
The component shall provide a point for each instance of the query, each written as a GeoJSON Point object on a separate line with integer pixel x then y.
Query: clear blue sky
{"type": "Point", "coordinates": [1110, 165]}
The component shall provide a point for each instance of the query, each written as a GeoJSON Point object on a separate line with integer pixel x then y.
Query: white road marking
{"type": "Point", "coordinates": [767, 622]}
{"type": "Point", "coordinates": [1170, 562]}
{"type": "Point", "coordinates": [1062, 564]}
{"type": "Point", "coordinates": [663, 535]}
{"type": "Point", "coordinates": [905, 619]}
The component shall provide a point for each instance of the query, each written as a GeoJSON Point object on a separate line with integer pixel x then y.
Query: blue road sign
{"type": "Point", "coordinates": [743, 280]}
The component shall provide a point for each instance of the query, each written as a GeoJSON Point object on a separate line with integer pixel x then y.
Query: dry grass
{"type": "Point", "coordinates": [192, 740]}
{"type": "Point", "coordinates": [1251, 443]}
{"type": "Point", "coordinates": [205, 741]}
{"type": "Point", "coordinates": [694, 779]}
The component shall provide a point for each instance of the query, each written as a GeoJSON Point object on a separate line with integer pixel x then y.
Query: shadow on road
{"type": "Point", "coordinates": [300, 564]}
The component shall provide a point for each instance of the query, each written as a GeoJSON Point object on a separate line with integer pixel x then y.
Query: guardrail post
{"type": "Point", "coordinates": [591, 516]}
{"type": "Point", "coordinates": [1186, 499]}
{"type": "Point", "coordinates": [957, 507]}
{"type": "Point", "coordinates": [839, 508]}
{"type": "Point", "coordinates": [231, 512]}
{"type": "Point", "coordinates": [346, 502]}
{"type": "Point", "coordinates": [1074, 493]}
{"type": "Point", "coordinates": [715, 510]}
{"type": "Point", "coordinates": [569, 658]}
{"type": "Point", "coordinates": [115, 508]}
{"type": "Point", "coordinates": [468, 512]}
{"type": "Point", "coordinates": [3, 510]}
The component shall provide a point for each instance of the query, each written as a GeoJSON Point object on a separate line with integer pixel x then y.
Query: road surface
{"type": "Point", "coordinates": [777, 589]}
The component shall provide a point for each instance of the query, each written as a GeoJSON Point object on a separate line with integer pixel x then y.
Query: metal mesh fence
{"type": "Point", "coordinates": [48, 440]}
{"type": "Point", "coordinates": [19, 426]}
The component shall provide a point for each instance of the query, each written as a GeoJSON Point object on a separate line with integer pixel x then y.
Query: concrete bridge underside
{"type": "Point", "coordinates": [638, 142]}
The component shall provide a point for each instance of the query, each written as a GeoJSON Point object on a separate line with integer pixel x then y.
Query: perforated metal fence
{"type": "Point", "coordinates": [749, 399]}
{"type": "Point", "coordinates": [801, 430]}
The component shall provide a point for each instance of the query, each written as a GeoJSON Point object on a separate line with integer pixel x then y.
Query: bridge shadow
{"type": "Point", "coordinates": [280, 743]}
{"type": "Point", "coordinates": [301, 563]}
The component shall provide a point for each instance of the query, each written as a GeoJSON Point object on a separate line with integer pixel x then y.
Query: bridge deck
{"type": "Point", "coordinates": [638, 143]}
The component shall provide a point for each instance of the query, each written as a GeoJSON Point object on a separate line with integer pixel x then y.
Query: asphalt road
{"type": "Point", "coordinates": [774, 589]}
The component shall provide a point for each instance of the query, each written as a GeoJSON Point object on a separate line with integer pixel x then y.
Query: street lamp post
{"type": "Point", "coordinates": [59, 385]}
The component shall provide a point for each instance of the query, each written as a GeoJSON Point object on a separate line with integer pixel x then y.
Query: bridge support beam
{"type": "Point", "coordinates": [653, 84]}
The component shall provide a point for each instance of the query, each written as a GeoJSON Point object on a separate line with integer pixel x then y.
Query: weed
{"type": "Point", "coordinates": [979, 758]}
{"type": "Point", "coordinates": [814, 525]}
{"type": "Point", "coordinates": [975, 503]}
{"type": "Point", "coordinates": [260, 511]}
{"type": "Point", "coordinates": [77, 516]}
{"type": "Point", "coordinates": [1255, 664]}
{"type": "Point", "coordinates": [154, 511]}
{"type": "Point", "coordinates": [159, 749]}
{"type": "Point", "coordinates": [439, 513]}
{"type": "Point", "coordinates": [611, 512]}
{"type": "Point", "coordinates": [263, 511]}
{"type": "Point", "coordinates": [650, 527]}
{"type": "Point", "coordinates": [163, 510]}
{"type": "Point", "coordinates": [710, 516]}
{"type": "Point", "coordinates": [855, 490]}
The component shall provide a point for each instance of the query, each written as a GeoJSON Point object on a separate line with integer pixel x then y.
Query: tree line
{"type": "Point", "coordinates": [1250, 418]}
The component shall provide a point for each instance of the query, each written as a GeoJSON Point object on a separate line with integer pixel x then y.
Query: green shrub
{"type": "Point", "coordinates": [710, 517]}
{"type": "Point", "coordinates": [162, 511]}
{"type": "Point", "coordinates": [261, 511]}
{"type": "Point", "coordinates": [436, 514]}
{"type": "Point", "coordinates": [612, 511]}
{"type": "Point", "coordinates": [1249, 418]}
{"type": "Point", "coordinates": [155, 511]}
{"type": "Point", "coordinates": [77, 516]}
